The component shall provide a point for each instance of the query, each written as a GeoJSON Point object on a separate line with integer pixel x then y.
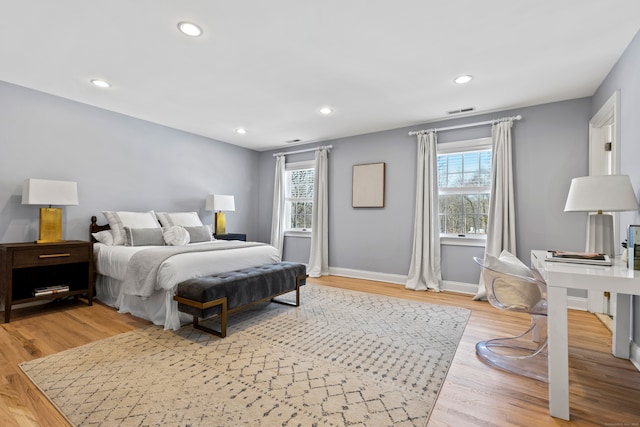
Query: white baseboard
{"type": "Point", "coordinates": [368, 275]}
{"type": "Point", "coordinates": [459, 287]}
{"type": "Point", "coordinates": [576, 303]}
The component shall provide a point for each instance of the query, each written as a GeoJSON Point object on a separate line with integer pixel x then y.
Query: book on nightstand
{"type": "Point", "coordinates": [578, 257]}
{"type": "Point", "coordinates": [48, 290]}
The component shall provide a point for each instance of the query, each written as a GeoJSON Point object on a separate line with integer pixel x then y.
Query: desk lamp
{"type": "Point", "coordinates": [49, 192]}
{"type": "Point", "coordinates": [220, 203]}
{"type": "Point", "coordinates": [601, 193]}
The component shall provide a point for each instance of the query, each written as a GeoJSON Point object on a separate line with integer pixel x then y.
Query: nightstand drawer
{"type": "Point", "coordinates": [48, 256]}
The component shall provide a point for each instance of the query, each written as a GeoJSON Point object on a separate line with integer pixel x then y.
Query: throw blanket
{"type": "Point", "coordinates": [142, 271]}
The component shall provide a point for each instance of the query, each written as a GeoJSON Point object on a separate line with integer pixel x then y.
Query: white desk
{"type": "Point", "coordinates": [560, 277]}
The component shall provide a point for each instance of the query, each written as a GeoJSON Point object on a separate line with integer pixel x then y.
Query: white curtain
{"type": "Point", "coordinates": [277, 216]}
{"type": "Point", "coordinates": [319, 256]}
{"type": "Point", "coordinates": [501, 228]}
{"type": "Point", "coordinates": [424, 272]}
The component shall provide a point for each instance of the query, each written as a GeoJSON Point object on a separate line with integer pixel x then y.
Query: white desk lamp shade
{"type": "Point", "coordinates": [601, 193]}
{"type": "Point", "coordinates": [607, 193]}
{"type": "Point", "coordinates": [49, 192]}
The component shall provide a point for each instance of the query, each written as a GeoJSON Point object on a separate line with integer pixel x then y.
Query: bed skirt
{"type": "Point", "coordinates": [108, 291]}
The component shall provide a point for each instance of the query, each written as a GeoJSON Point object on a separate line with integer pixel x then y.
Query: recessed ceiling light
{"type": "Point", "coordinates": [463, 79]}
{"type": "Point", "coordinates": [101, 83]}
{"type": "Point", "coordinates": [189, 29]}
{"type": "Point", "coordinates": [326, 110]}
{"type": "Point", "coordinates": [241, 131]}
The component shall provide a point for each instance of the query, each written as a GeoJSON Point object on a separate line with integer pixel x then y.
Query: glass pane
{"type": "Point", "coordinates": [468, 169]}
{"type": "Point", "coordinates": [301, 183]}
{"type": "Point", "coordinates": [301, 215]}
{"type": "Point", "coordinates": [454, 163]}
{"type": "Point", "coordinates": [441, 163]}
{"type": "Point", "coordinates": [485, 168]}
{"type": "Point", "coordinates": [471, 161]}
{"type": "Point", "coordinates": [485, 161]}
{"type": "Point", "coordinates": [464, 213]}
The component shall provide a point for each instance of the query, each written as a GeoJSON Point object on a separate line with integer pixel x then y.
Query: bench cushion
{"type": "Point", "coordinates": [241, 287]}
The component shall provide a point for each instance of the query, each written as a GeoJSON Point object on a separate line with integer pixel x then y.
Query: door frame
{"type": "Point", "coordinates": [608, 114]}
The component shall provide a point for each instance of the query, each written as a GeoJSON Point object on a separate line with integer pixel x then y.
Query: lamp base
{"type": "Point", "coordinates": [50, 225]}
{"type": "Point", "coordinates": [600, 234]}
{"type": "Point", "coordinates": [221, 223]}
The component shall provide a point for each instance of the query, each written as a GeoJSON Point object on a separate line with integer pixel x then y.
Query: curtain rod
{"type": "Point", "coordinates": [328, 147]}
{"type": "Point", "coordinates": [468, 125]}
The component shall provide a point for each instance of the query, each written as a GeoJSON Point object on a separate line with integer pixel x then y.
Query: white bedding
{"type": "Point", "coordinates": [160, 308]}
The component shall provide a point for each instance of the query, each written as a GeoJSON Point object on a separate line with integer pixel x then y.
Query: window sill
{"type": "Point", "coordinates": [464, 241]}
{"type": "Point", "coordinates": [306, 234]}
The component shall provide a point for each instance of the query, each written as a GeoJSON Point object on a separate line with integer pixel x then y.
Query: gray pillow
{"type": "Point", "coordinates": [143, 236]}
{"type": "Point", "coordinates": [199, 234]}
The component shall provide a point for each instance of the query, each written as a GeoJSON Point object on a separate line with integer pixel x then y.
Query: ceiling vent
{"type": "Point", "coordinates": [291, 141]}
{"type": "Point", "coordinates": [462, 110]}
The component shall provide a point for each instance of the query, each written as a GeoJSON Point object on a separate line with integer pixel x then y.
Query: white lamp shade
{"type": "Point", "coordinates": [607, 193]}
{"type": "Point", "coordinates": [49, 192]}
{"type": "Point", "coordinates": [218, 202]}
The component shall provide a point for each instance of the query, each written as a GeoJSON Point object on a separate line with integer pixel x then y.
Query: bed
{"type": "Point", "coordinates": [141, 279]}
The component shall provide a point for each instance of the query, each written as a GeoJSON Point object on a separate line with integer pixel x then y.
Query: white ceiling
{"type": "Point", "coordinates": [269, 66]}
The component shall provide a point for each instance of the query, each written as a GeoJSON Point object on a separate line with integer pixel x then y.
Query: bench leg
{"type": "Point", "coordinates": [297, 303]}
{"type": "Point", "coordinates": [223, 321]}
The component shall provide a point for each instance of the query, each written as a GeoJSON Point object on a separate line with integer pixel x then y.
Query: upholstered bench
{"type": "Point", "coordinates": [220, 294]}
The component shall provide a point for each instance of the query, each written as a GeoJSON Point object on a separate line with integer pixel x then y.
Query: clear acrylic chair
{"type": "Point", "coordinates": [511, 285]}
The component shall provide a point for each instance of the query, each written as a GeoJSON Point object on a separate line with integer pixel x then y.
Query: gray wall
{"type": "Point", "coordinates": [122, 163]}
{"type": "Point", "coordinates": [624, 77]}
{"type": "Point", "coordinates": [550, 148]}
{"type": "Point", "coordinates": [119, 163]}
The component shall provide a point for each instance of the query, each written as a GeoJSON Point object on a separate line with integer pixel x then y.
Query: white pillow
{"type": "Point", "coordinates": [513, 293]}
{"type": "Point", "coordinates": [175, 236]}
{"type": "Point", "coordinates": [185, 219]}
{"type": "Point", "coordinates": [119, 220]}
{"type": "Point", "coordinates": [105, 237]}
{"type": "Point", "coordinates": [508, 263]}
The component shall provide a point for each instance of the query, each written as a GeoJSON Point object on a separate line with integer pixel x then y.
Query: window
{"type": "Point", "coordinates": [464, 186]}
{"type": "Point", "coordinates": [299, 181]}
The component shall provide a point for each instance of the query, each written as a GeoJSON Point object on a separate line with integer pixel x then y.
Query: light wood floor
{"type": "Point", "coordinates": [605, 391]}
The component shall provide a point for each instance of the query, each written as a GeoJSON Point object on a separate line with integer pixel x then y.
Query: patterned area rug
{"type": "Point", "coordinates": [342, 358]}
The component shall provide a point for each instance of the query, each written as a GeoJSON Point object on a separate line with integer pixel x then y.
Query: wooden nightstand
{"type": "Point", "coordinates": [26, 266]}
{"type": "Point", "coordinates": [231, 236]}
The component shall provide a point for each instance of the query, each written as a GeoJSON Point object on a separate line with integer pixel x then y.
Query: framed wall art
{"type": "Point", "coordinates": [368, 185]}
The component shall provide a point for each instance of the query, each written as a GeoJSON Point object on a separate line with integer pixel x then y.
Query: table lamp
{"type": "Point", "coordinates": [49, 192]}
{"type": "Point", "coordinates": [220, 203]}
{"type": "Point", "coordinates": [601, 193]}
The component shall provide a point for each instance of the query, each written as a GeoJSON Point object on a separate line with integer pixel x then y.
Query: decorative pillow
{"type": "Point", "coordinates": [512, 292]}
{"type": "Point", "coordinates": [105, 237]}
{"type": "Point", "coordinates": [508, 263]}
{"type": "Point", "coordinates": [185, 219]}
{"type": "Point", "coordinates": [175, 236]}
{"type": "Point", "coordinates": [199, 234]}
{"type": "Point", "coordinates": [119, 220]}
{"type": "Point", "coordinates": [143, 236]}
